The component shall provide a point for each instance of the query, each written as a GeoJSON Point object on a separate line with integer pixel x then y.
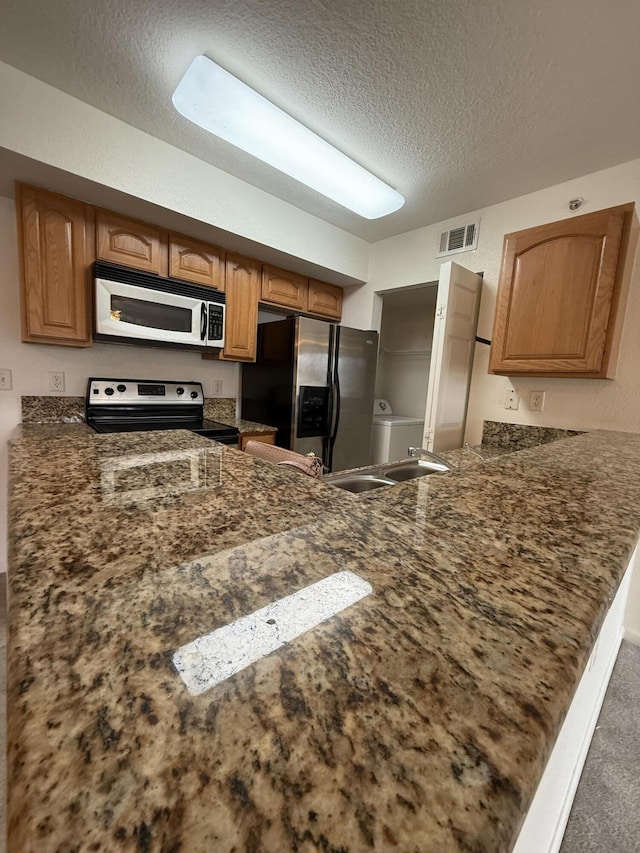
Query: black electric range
{"type": "Point", "coordinates": [136, 405]}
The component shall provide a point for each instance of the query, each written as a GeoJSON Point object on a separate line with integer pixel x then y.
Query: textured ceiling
{"type": "Point", "coordinates": [457, 104]}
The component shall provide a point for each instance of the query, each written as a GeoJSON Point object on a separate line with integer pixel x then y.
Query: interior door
{"type": "Point", "coordinates": [454, 336]}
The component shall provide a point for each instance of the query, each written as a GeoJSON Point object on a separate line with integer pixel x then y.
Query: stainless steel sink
{"type": "Point", "coordinates": [389, 474]}
{"type": "Point", "coordinates": [402, 471]}
{"type": "Point", "coordinates": [358, 482]}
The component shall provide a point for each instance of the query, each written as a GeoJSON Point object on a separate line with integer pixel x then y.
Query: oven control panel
{"type": "Point", "coordinates": [140, 392]}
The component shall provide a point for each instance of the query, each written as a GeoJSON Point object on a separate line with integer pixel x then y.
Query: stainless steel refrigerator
{"type": "Point", "coordinates": [314, 381]}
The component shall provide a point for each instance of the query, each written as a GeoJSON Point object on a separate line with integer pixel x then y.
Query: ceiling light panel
{"type": "Point", "coordinates": [217, 101]}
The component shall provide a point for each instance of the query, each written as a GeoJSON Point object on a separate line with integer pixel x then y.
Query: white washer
{"type": "Point", "coordinates": [393, 434]}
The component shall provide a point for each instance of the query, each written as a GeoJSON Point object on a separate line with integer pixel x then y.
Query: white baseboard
{"type": "Point", "coordinates": [544, 825]}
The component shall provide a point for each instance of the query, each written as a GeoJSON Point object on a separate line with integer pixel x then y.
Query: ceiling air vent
{"type": "Point", "coordinates": [464, 238]}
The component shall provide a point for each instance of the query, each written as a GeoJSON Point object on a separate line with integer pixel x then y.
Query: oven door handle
{"type": "Point", "coordinates": [203, 321]}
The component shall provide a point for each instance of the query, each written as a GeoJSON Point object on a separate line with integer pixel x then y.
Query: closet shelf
{"type": "Point", "coordinates": [416, 353]}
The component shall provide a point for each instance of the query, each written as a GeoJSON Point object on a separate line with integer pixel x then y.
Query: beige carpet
{"type": "Point", "coordinates": [605, 817]}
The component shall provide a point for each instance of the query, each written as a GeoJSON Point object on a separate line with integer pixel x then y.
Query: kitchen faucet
{"type": "Point", "coordinates": [423, 453]}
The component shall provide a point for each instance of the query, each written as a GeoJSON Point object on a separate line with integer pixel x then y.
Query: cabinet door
{"type": "Point", "coordinates": [559, 308]}
{"type": "Point", "coordinates": [242, 285]}
{"type": "Point", "coordinates": [131, 243]}
{"type": "Point", "coordinates": [56, 241]}
{"type": "Point", "coordinates": [287, 289]}
{"type": "Point", "coordinates": [325, 299]}
{"type": "Point", "coordinates": [262, 437]}
{"type": "Point", "coordinates": [197, 262]}
{"type": "Point", "coordinates": [454, 339]}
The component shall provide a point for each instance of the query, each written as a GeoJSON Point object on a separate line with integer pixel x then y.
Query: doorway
{"type": "Point", "coordinates": [427, 341]}
{"type": "Point", "coordinates": [406, 339]}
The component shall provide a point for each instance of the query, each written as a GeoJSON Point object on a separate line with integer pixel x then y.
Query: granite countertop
{"type": "Point", "coordinates": [61, 411]}
{"type": "Point", "coordinates": [418, 719]}
{"type": "Point", "coordinates": [247, 427]}
{"type": "Point", "coordinates": [223, 410]}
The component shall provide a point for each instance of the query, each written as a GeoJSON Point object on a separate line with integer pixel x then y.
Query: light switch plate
{"type": "Point", "coordinates": [6, 383]}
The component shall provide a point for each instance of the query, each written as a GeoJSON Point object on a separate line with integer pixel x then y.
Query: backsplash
{"type": "Point", "coordinates": [515, 437]}
{"type": "Point", "coordinates": [52, 410]}
{"type": "Point", "coordinates": [220, 407]}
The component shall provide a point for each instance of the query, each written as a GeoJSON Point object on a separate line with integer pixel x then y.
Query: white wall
{"type": "Point", "coordinates": [48, 126]}
{"type": "Point", "coordinates": [570, 403]}
{"type": "Point", "coordinates": [30, 363]}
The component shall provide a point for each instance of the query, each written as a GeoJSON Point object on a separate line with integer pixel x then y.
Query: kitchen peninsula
{"type": "Point", "coordinates": [418, 719]}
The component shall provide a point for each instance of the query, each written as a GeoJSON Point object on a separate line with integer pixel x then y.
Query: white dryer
{"type": "Point", "coordinates": [393, 434]}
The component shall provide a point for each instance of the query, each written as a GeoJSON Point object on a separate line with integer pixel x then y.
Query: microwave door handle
{"type": "Point", "coordinates": [203, 321]}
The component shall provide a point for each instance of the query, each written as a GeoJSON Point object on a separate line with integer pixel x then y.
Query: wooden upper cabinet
{"type": "Point", "coordinates": [242, 284]}
{"type": "Point", "coordinates": [280, 287]}
{"type": "Point", "coordinates": [131, 243]}
{"type": "Point", "coordinates": [325, 299]}
{"type": "Point", "coordinates": [61, 237]}
{"type": "Point", "coordinates": [196, 262]}
{"type": "Point", "coordinates": [56, 236]}
{"type": "Point", "coordinates": [562, 295]}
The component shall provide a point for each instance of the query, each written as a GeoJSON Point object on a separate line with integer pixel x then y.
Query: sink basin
{"type": "Point", "coordinates": [359, 482]}
{"type": "Point", "coordinates": [414, 468]}
{"type": "Point", "coordinates": [388, 474]}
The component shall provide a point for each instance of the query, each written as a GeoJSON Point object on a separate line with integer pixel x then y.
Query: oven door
{"type": "Point", "coordinates": [127, 311]}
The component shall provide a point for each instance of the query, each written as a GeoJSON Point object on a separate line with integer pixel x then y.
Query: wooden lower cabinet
{"type": "Point", "coordinates": [562, 296]}
{"type": "Point", "coordinates": [263, 437]}
{"type": "Point", "coordinates": [325, 299]}
{"type": "Point", "coordinates": [131, 243]}
{"type": "Point", "coordinates": [56, 235]}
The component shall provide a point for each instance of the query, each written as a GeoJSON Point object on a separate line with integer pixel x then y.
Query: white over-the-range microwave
{"type": "Point", "coordinates": [136, 307]}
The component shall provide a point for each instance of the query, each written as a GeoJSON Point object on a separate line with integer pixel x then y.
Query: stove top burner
{"type": "Point", "coordinates": [137, 405]}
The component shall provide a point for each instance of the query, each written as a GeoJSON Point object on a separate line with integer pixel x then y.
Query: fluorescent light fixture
{"type": "Point", "coordinates": [217, 101]}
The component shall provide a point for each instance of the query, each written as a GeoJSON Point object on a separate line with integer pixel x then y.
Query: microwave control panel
{"type": "Point", "coordinates": [216, 325]}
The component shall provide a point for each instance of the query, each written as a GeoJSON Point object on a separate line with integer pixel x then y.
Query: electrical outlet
{"type": "Point", "coordinates": [217, 387]}
{"type": "Point", "coordinates": [511, 399]}
{"type": "Point", "coordinates": [5, 380]}
{"type": "Point", "coordinates": [56, 380]}
{"type": "Point", "coordinates": [536, 401]}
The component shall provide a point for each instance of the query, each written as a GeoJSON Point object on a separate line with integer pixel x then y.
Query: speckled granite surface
{"type": "Point", "coordinates": [515, 437]}
{"type": "Point", "coordinates": [465, 456]}
{"type": "Point", "coordinates": [419, 719]}
{"type": "Point", "coordinates": [51, 410]}
{"type": "Point", "coordinates": [224, 410]}
{"type": "Point", "coordinates": [216, 408]}
{"type": "Point", "coordinates": [250, 427]}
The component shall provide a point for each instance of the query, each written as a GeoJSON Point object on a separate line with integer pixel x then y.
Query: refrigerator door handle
{"type": "Point", "coordinates": [334, 396]}
{"type": "Point", "coordinates": [326, 441]}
